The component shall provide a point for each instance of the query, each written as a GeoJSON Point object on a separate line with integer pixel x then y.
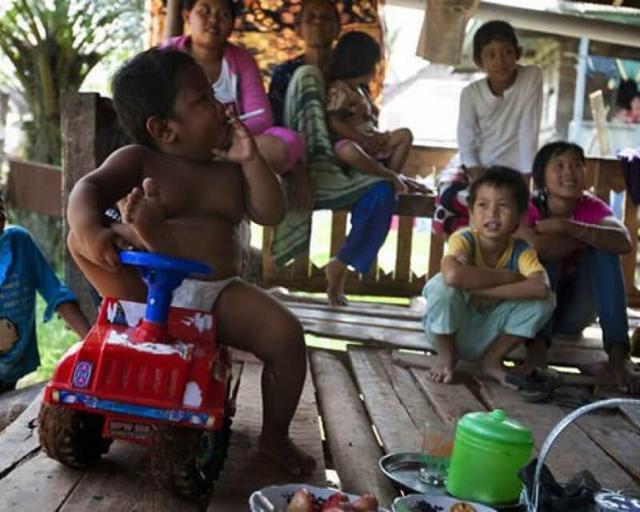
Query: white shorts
{"type": "Point", "coordinates": [200, 295]}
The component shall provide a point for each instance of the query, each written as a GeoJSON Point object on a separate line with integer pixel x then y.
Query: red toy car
{"type": "Point", "coordinates": [150, 374]}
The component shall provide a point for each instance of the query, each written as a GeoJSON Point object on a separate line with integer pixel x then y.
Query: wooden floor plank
{"type": "Point", "coordinates": [354, 448]}
{"type": "Point", "coordinates": [611, 432]}
{"type": "Point", "coordinates": [377, 336]}
{"type": "Point", "coordinates": [14, 403]}
{"type": "Point", "coordinates": [572, 452]}
{"type": "Point", "coordinates": [357, 307]}
{"type": "Point", "coordinates": [121, 482]}
{"type": "Point", "coordinates": [245, 469]}
{"type": "Point", "coordinates": [20, 440]}
{"type": "Point", "coordinates": [382, 337]}
{"type": "Point", "coordinates": [347, 317]}
{"type": "Point", "coordinates": [451, 401]}
{"type": "Point", "coordinates": [395, 427]}
{"type": "Point", "coordinates": [406, 387]}
{"type": "Point", "coordinates": [632, 414]}
{"type": "Point", "coordinates": [361, 310]}
{"type": "Point", "coordinates": [40, 484]}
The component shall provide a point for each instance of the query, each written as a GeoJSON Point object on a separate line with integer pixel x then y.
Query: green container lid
{"type": "Point", "coordinates": [495, 426]}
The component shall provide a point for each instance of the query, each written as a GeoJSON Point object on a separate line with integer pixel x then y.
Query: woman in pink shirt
{"type": "Point", "coordinates": [579, 241]}
{"type": "Point", "coordinates": [236, 82]}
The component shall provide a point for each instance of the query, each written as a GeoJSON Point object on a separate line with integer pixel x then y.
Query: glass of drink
{"type": "Point", "coordinates": [437, 442]}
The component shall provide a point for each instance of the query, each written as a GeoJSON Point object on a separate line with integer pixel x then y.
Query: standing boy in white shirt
{"type": "Point", "coordinates": [498, 124]}
{"type": "Point", "coordinates": [499, 119]}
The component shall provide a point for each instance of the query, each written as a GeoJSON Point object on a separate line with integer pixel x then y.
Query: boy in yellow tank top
{"type": "Point", "coordinates": [492, 292]}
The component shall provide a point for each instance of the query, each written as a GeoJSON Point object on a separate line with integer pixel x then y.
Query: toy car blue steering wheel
{"type": "Point", "coordinates": [162, 275]}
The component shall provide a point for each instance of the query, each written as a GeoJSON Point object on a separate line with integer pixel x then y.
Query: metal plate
{"type": "Point", "coordinates": [420, 502]}
{"type": "Point", "coordinates": [403, 469]}
{"type": "Point", "coordinates": [275, 497]}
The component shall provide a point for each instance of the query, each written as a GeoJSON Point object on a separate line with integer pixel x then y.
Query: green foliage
{"type": "Point", "coordinates": [53, 340]}
{"type": "Point", "coordinates": [52, 45]}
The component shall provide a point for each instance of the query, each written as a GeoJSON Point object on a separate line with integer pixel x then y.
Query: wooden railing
{"type": "Point", "coordinates": [302, 274]}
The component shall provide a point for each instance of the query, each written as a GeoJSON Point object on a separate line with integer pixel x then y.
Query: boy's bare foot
{"type": "Point", "coordinates": [336, 273]}
{"type": "Point", "coordinates": [442, 370]}
{"type": "Point", "coordinates": [144, 212]}
{"type": "Point", "coordinates": [288, 455]}
{"type": "Point", "coordinates": [497, 371]}
{"type": "Point", "coordinates": [625, 373]}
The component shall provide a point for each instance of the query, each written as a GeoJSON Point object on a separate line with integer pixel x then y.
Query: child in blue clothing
{"type": "Point", "coordinates": [492, 293]}
{"type": "Point", "coordinates": [23, 271]}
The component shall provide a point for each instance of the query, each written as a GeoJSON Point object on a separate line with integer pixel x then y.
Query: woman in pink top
{"type": "Point", "coordinates": [236, 82]}
{"type": "Point", "coordinates": [579, 240]}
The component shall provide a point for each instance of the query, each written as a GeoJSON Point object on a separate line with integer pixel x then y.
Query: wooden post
{"type": "Point", "coordinates": [79, 127]}
{"type": "Point", "coordinates": [173, 24]}
{"type": "Point", "coordinates": [599, 113]}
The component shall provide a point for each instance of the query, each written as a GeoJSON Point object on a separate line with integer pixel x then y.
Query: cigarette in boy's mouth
{"type": "Point", "coordinates": [249, 115]}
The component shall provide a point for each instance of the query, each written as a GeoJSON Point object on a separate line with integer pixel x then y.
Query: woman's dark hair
{"type": "Point", "coordinates": [627, 90]}
{"type": "Point", "coordinates": [147, 86]}
{"type": "Point", "coordinates": [507, 178]}
{"type": "Point", "coordinates": [235, 9]}
{"type": "Point", "coordinates": [495, 30]}
{"type": "Point", "coordinates": [356, 54]}
{"type": "Point", "coordinates": [546, 153]}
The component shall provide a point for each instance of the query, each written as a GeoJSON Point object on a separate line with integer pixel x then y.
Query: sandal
{"type": "Point", "coordinates": [537, 386]}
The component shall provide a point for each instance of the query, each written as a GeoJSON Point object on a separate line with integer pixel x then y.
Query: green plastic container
{"type": "Point", "coordinates": [488, 451]}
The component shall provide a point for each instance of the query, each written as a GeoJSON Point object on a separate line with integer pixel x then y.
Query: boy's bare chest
{"type": "Point", "coordinates": [201, 191]}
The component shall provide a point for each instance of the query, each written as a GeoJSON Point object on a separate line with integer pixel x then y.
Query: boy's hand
{"type": "Point", "coordinates": [104, 247]}
{"type": "Point", "coordinates": [243, 146]}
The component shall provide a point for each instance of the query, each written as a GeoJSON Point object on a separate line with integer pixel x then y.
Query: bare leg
{"type": "Point", "coordinates": [336, 273]}
{"type": "Point", "coordinates": [143, 211]}
{"type": "Point", "coordinates": [400, 143]}
{"type": "Point", "coordinates": [536, 357]}
{"type": "Point", "coordinates": [492, 361]}
{"type": "Point", "coordinates": [625, 373]}
{"type": "Point", "coordinates": [282, 349]}
{"type": "Point", "coordinates": [353, 155]}
{"type": "Point", "coordinates": [273, 150]}
{"type": "Point", "coordinates": [125, 283]}
{"type": "Point", "coordinates": [442, 370]}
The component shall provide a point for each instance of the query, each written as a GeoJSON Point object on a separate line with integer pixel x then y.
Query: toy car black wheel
{"type": "Point", "coordinates": [71, 437]}
{"type": "Point", "coordinates": [188, 460]}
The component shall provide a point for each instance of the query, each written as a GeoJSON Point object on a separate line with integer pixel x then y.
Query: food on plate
{"type": "Point", "coordinates": [423, 506]}
{"type": "Point", "coordinates": [301, 501]}
{"type": "Point", "coordinates": [305, 501]}
{"type": "Point", "coordinates": [462, 507]}
{"type": "Point", "coordinates": [366, 503]}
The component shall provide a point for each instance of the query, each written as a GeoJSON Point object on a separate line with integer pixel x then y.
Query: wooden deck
{"type": "Point", "coordinates": [346, 393]}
